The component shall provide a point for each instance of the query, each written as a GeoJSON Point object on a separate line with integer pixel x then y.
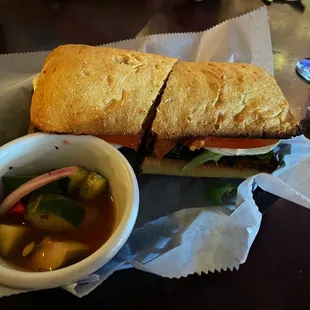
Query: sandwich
{"type": "Point", "coordinates": [167, 117]}
{"type": "Point", "coordinates": [218, 120]}
{"type": "Point", "coordinates": [106, 92]}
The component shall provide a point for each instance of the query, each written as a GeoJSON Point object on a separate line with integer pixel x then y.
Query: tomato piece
{"type": "Point", "coordinates": [18, 209]}
{"type": "Point", "coordinates": [163, 147]}
{"type": "Point", "coordinates": [132, 142]}
{"type": "Point", "coordinates": [229, 143]}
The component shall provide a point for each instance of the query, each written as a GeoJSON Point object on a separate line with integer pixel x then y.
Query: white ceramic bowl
{"type": "Point", "coordinates": [38, 153]}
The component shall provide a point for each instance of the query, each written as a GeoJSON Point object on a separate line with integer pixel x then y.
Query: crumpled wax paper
{"type": "Point", "coordinates": [177, 232]}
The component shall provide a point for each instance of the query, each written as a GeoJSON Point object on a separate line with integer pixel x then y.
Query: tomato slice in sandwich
{"type": "Point", "coordinates": [163, 147]}
{"type": "Point", "coordinates": [132, 142]}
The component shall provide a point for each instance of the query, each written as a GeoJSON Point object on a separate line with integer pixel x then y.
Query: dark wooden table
{"type": "Point", "coordinates": [277, 272]}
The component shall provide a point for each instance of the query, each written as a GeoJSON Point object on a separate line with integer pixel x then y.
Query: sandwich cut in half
{"type": "Point", "coordinates": [106, 92]}
{"type": "Point", "coordinates": [218, 120]}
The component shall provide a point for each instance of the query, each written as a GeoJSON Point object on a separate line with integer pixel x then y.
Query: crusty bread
{"type": "Point", "coordinates": [167, 166]}
{"type": "Point", "coordinates": [35, 82]}
{"type": "Point", "coordinates": [222, 99]}
{"type": "Point", "coordinates": [32, 128]}
{"type": "Point", "coordinates": [95, 90]}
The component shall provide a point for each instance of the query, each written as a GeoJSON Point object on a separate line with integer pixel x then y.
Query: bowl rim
{"type": "Point", "coordinates": [48, 279]}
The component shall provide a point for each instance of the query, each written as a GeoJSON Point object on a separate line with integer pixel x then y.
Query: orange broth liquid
{"type": "Point", "coordinates": [95, 229]}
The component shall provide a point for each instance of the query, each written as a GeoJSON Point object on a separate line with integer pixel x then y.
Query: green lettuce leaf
{"type": "Point", "coordinates": [201, 159]}
{"type": "Point", "coordinates": [267, 157]}
{"type": "Point", "coordinates": [216, 193]}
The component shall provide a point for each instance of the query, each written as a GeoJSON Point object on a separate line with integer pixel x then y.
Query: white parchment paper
{"type": "Point", "coordinates": [177, 232]}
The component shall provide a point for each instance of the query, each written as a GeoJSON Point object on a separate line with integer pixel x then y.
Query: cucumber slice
{"type": "Point", "coordinates": [10, 183]}
{"type": "Point", "coordinates": [54, 213]}
{"type": "Point", "coordinates": [10, 237]}
{"type": "Point", "coordinates": [53, 254]}
{"type": "Point", "coordinates": [76, 180]}
{"type": "Point", "coordinates": [93, 185]}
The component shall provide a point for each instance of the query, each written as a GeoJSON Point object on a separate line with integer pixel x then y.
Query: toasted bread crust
{"type": "Point", "coordinates": [174, 167]}
{"type": "Point", "coordinates": [95, 90]}
{"type": "Point", "coordinates": [222, 99]}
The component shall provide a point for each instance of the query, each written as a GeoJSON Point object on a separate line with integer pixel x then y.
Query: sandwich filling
{"type": "Point", "coordinates": [234, 152]}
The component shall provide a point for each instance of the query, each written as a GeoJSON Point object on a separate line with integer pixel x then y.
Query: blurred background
{"type": "Point", "coordinates": [41, 25]}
